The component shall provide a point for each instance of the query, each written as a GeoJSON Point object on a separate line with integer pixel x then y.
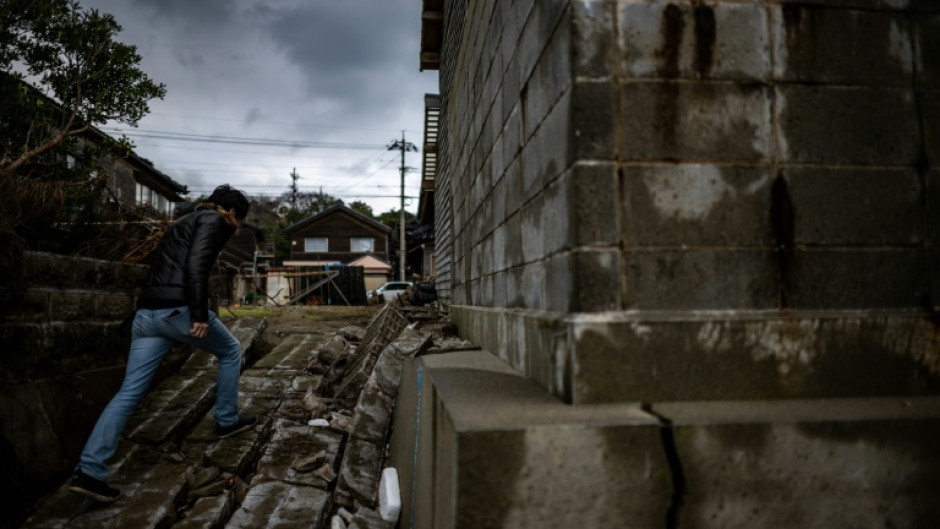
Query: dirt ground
{"type": "Point", "coordinates": [305, 318]}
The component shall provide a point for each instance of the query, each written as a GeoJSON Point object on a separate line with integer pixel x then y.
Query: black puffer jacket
{"type": "Point", "coordinates": [179, 271]}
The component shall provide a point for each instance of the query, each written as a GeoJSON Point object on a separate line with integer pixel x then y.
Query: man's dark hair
{"type": "Point", "coordinates": [228, 197]}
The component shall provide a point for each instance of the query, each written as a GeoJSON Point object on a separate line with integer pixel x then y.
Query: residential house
{"type": "Point", "coordinates": [337, 235]}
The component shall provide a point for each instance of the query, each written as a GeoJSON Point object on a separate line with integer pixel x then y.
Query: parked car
{"type": "Point", "coordinates": [391, 290]}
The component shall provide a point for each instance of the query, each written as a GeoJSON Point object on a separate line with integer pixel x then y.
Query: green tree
{"type": "Point", "coordinates": [81, 74]}
{"type": "Point", "coordinates": [362, 207]}
{"type": "Point", "coordinates": [295, 208]}
{"type": "Point", "coordinates": [390, 218]}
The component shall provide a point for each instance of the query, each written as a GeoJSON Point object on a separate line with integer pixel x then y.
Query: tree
{"type": "Point", "coordinates": [83, 77]}
{"type": "Point", "coordinates": [308, 203]}
{"type": "Point", "coordinates": [362, 207]}
{"type": "Point", "coordinates": [391, 217]}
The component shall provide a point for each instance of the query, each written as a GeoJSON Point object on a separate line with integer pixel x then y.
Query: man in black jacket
{"type": "Point", "coordinates": [174, 307]}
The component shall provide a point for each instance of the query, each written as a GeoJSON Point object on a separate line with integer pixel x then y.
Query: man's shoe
{"type": "Point", "coordinates": [93, 488]}
{"type": "Point", "coordinates": [243, 423]}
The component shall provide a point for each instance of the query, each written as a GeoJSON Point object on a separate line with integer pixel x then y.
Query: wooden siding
{"type": "Point", "coordinates": [339, 227]}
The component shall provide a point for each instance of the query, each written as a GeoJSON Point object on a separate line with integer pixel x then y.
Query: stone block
{"type": "Point", "coordinates": [865, 463]}
{"type": "Point", "coordinates": [930, 119]}
{"type": "Point", "coordinates": [359, 473]}
{"type": "Point", "coordinates": [693, 41]}
{"type": "Point", "coordinates": [857, 126]}
{"type": "Point", "coordinates": [696, 205]}
{"type": "Point", "coordinates": [176, 404]}
{"type": "Point", "coordinates": [700, 279]}
{"type": "Point", "coordinates": [855, 207]}
{"type": "Point", "coordinates": [493, 432]}
{"type": "Point", "coordinates": [814, 44]}
{"type": "Point", "coordinates": [592, 190]}
{"type": "Point", "coordinates": [551, 77]}
{"type": "Point", "coordinates": [211, 511]}
{"type": "Point", "coordinates": [547, 154]}
{"type": "Point", "coordinates": [113, 306]}
{"type": "Point", "coordinates": [71, 305]}
{"type": "Point", "coordinates": [593, 118]}
{"type": "Point", "coordinates": [694, 122]}
{"type": "Point", "coordinates": [927, 37]}
{"type": "Point", "coordinates": [282, 506]}
{"type": "Point", "coordinates": [684, 357]}
{"type": "Point", "coordinates": [855, 279]}
{"type": "Point", "coordinates": [289, 446]}
{"type": "Point", "coordinates": [592, 36]}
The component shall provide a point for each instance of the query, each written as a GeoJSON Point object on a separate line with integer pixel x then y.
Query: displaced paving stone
{"type": "Point", "coordinates": [352, 333]}
{"type": "Point", "coordinates": [290, 445]}
{"type": "Point", "coordinates": [177, 404]}
{"type": "Point", "coordinates": [334, 348]}
{"type": "Point", "coordinates": [208, 512]}
{"type": "Point", "coordinates": [359, 473]}
{"type": "Point", "coordinates": [278, 505]}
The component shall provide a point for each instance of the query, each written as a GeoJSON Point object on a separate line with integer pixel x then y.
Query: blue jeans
{"type": "Point", "coordinates": [154, 332]}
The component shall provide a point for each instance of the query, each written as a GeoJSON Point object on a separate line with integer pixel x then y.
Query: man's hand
{"type": "Point", "coordinates": [199, 330]}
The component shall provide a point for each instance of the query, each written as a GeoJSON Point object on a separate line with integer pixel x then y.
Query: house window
{"type": "Point", "coordinates": [362, 244]}
{"type": "Point", "coordinates": [144, 194]}
{"type": "Point", "coordinates": [316, 244]}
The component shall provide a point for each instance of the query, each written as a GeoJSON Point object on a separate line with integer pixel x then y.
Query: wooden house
{"type": "Point", "coordinates": [337, 235]}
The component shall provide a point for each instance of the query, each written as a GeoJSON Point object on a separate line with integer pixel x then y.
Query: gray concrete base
{"type": "Point", "coordinates": [477, 445]}
{"type": "Point", "coordinates": [724, 355]}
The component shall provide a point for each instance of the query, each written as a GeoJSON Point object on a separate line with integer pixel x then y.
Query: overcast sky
{"type": "Point", "coordinates": [309, 71]}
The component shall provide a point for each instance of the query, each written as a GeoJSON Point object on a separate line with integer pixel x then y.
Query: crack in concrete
{"type": "Point", "coordinates": [667, 435]}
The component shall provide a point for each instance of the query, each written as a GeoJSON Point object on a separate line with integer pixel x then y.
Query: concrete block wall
{"type": "Point", "coordinates": [60, 364]}
{"type": "Point", "coordinates": [769, 162]}
{"type": "Point", "coordinates": [625, 155]}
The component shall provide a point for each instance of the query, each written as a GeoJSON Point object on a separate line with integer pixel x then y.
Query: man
{"type": "Point", "coordinates": [173, 307]}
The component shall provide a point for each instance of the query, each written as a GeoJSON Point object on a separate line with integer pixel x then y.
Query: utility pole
{"type": "Point", "coordinates": [293, 188]}
{"type": "Point", "coordinates": [402, 146]}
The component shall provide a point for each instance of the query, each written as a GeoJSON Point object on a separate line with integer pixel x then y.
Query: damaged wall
{"type": "Point", "coordinates": [60, 364]}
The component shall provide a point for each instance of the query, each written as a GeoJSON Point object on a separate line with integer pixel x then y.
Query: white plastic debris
{"type": "Point", "coordinates": [389, 495]}
{"type": "Point", "coordinates": [337, 522]}
{"type": "Point", "coordinates": [318, 422]}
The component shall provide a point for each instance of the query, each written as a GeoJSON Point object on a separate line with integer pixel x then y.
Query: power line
{"type": "Point", "coordinates": [204, 138]}
{"type": "Point", "coordinates": [305, 124]}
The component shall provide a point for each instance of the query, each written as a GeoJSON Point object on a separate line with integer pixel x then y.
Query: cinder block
{"type": "Point", "coordinates": [840, 46]}
{"type": "Point", "coordinates": [695, 122]}
{"type": "Point", "coordinates": [593, 118]}
{"type": "Point", "coordinates": [593, 36]}
{"type": "Point", "coordinates": [858, 207]}
{"type": "Point", "coordinates": [113, 306]}
{"type": "Point", "coordinates": [551, 77]}
{"type": "Point", "coordinates": [700, 279]}
{"type": "Point", "coordinates": [860, 126]}
{"type": "Point", "coordinates": [866, 463]}
{"type": "Point", "coordinates": [663, 39]}
{"type": "Point", "coordinates": [548, 152]}
{"type": "Point", "coordinates": [696, 205]}
{"type": "Point", "coordinates": [927, 49]}
{"type": "Point", "coordinates": [668, 357]}
{"type": "Point", "coordinates": [855, 279]}
{"type": "Point", "coordinates": [930, 120]}
{"type": "Point", "coordinates": [592, 190]}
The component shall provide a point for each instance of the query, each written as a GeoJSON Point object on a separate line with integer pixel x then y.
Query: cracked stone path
{"type": "Point", "coordinates": [174, 473]}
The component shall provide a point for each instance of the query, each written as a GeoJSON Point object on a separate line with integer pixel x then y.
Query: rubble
{"type": "Point", "coordinates": [314, 459]}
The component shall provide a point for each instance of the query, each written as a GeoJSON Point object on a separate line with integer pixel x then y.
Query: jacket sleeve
{"type": "Point", "coordinates": [210, 234]}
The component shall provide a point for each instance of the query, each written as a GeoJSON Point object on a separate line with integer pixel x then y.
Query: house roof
{"type": "Point", "coordinates": [334, 209]}
{"type": "Point", "coordinates": [370, 262]}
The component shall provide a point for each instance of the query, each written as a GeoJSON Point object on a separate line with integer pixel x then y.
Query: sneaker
{"type": "Point", "coordinates": [93, 488]}
{"type": "Point", "coordinates": [243, 423]}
